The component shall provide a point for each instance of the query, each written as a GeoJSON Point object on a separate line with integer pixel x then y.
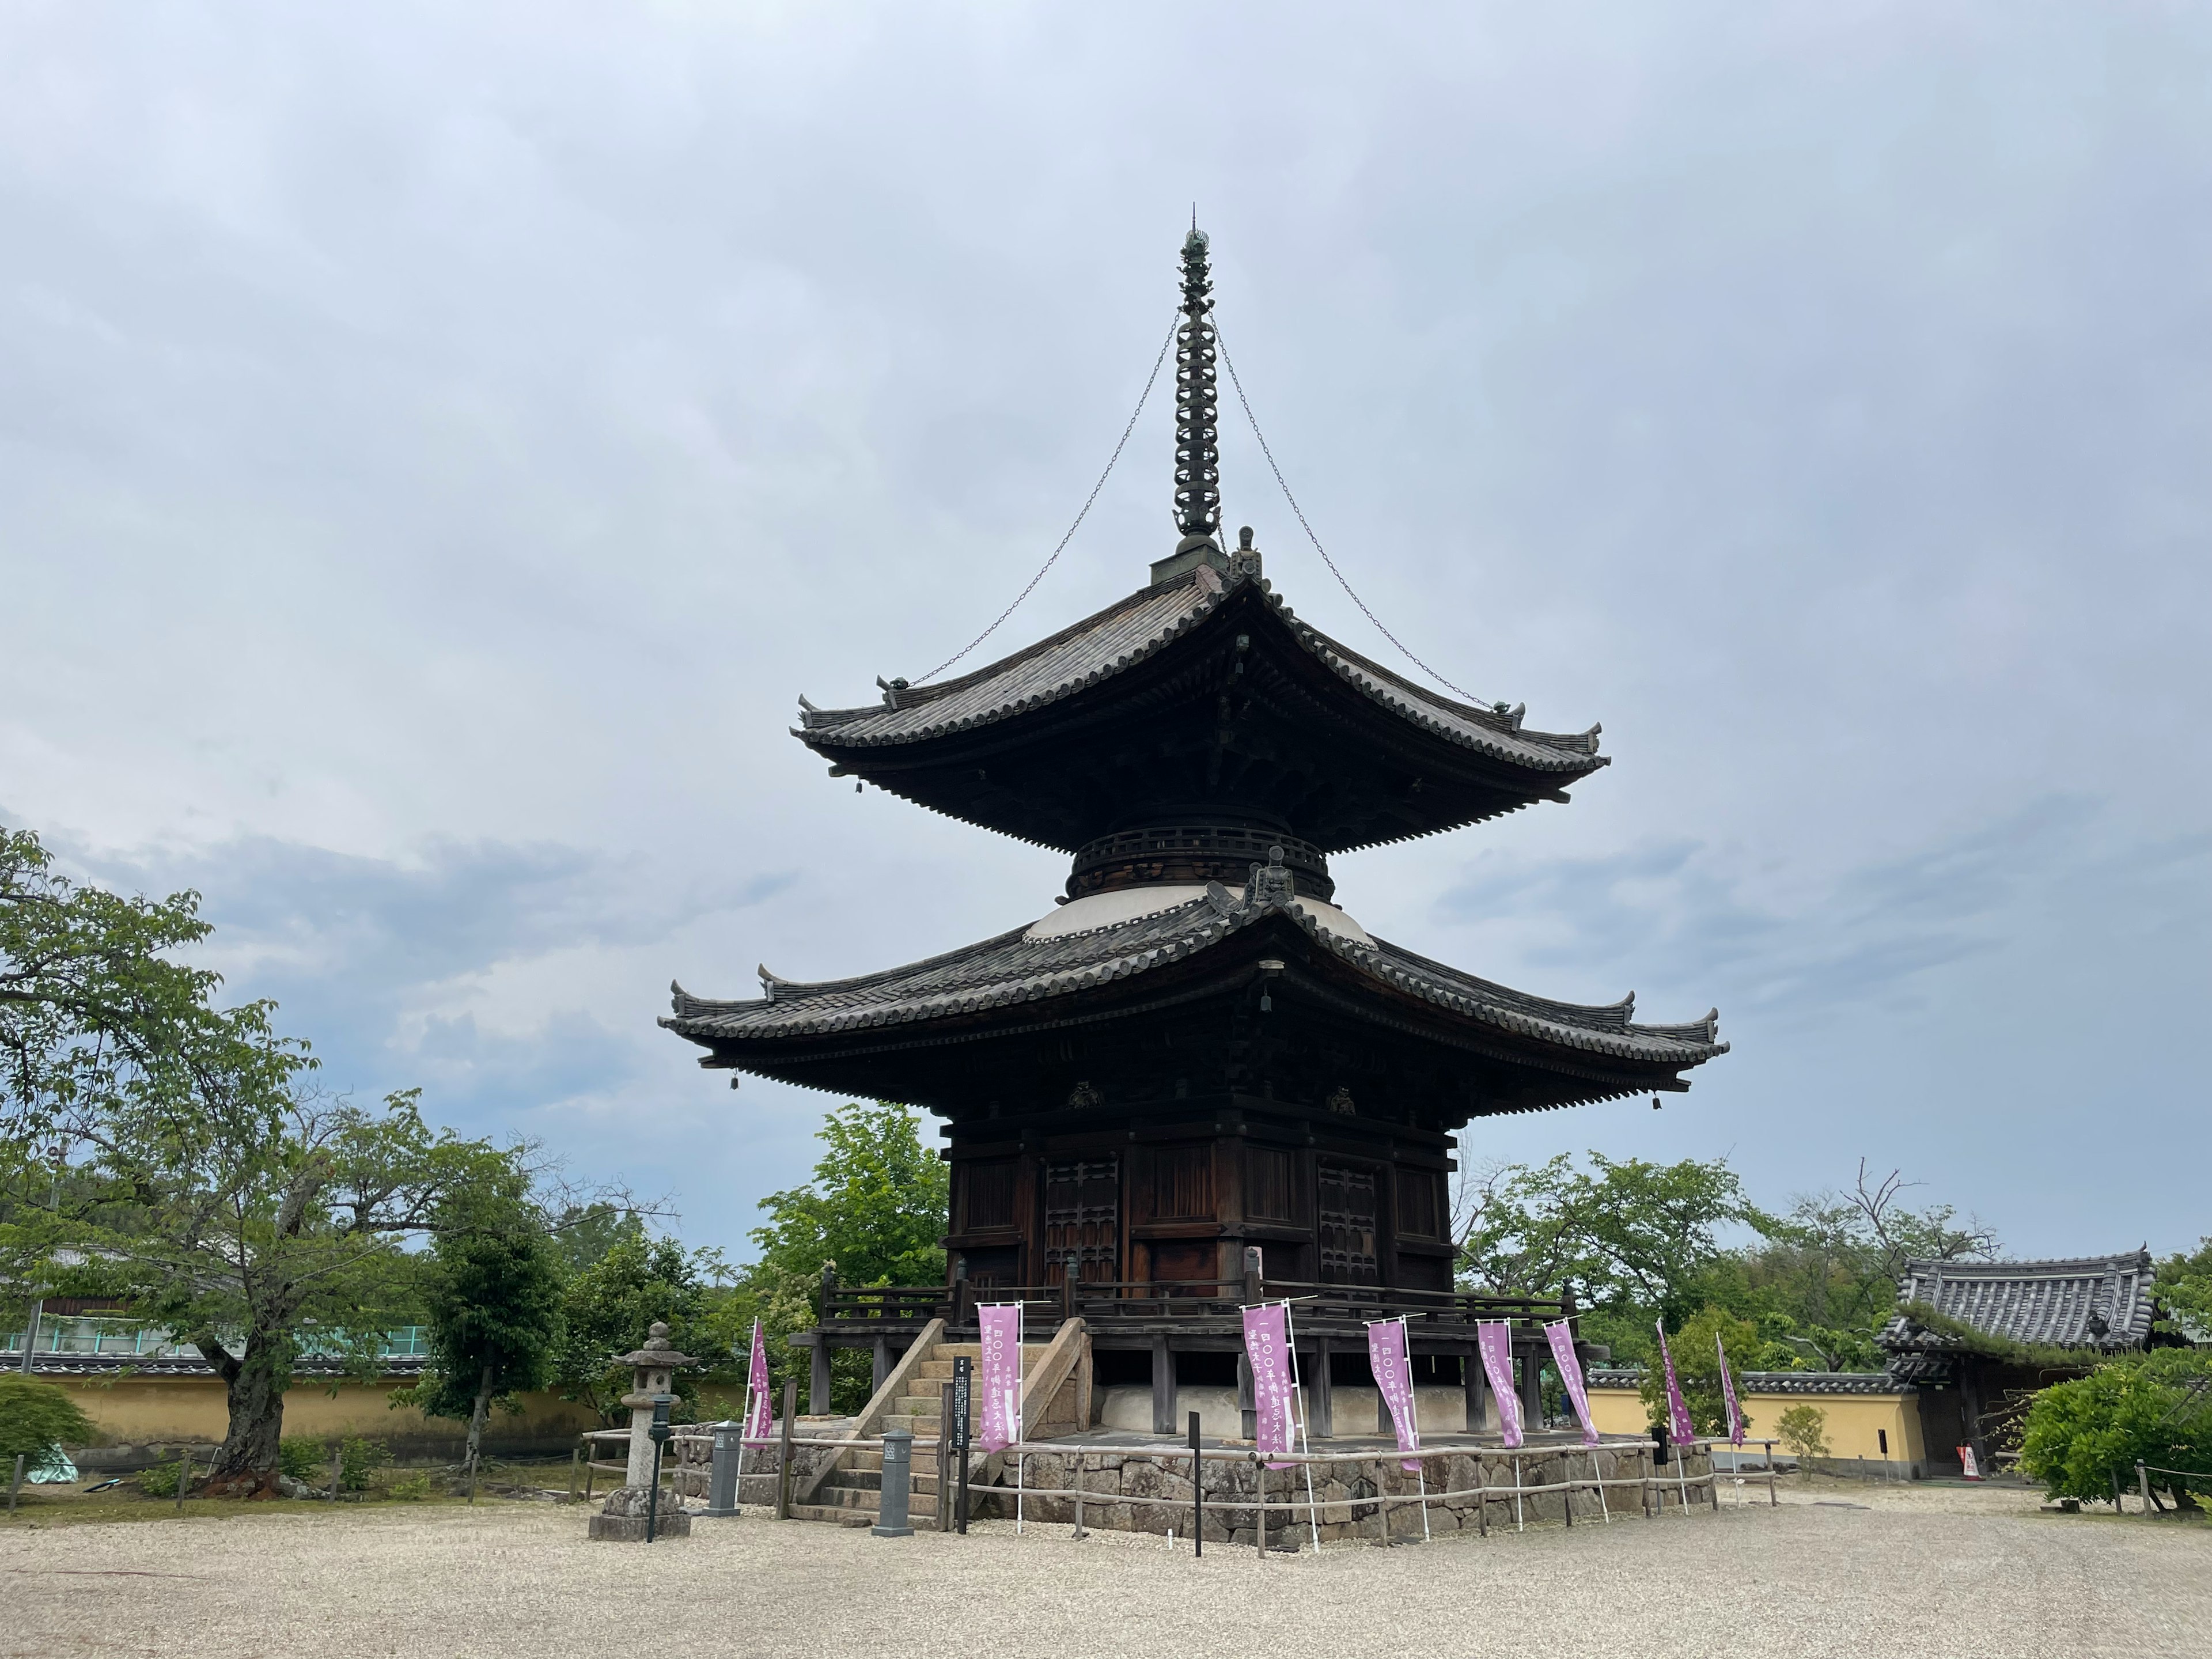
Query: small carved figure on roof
{"type": "Point", "coordinates": [1340, 1103]}
{"type": "Point", "coordinates": [1083, 1094]}
{"type": "Point", "coordinates": [1271, 883]}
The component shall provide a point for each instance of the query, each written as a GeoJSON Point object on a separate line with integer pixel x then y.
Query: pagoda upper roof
{"type": "Point", "coordinates": [1031, 974]}
{"type": "Point", "coordinates": [1201, 692]}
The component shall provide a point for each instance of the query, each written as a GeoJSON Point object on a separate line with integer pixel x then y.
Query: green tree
{"type": "Point", "coordinates": [250, 1226]}
{"type": "Point", "coordinates": [876, 1210]}
{"type": "Point", "coordinates": [876, 1207]}
{"type": "Point", "coordinates": [2184, 1287]}
{"type": "Point", "coordinates": [1697, 1367]}
{"type": "Point", "coordinates": [1824, 1276]}
{"type": "Point", "coordinates": [610, 1307]}
{"type": "Point", "coordinates": [95, 1013]}
{"type": "Point", "coordinates": [36, 1419]}
{"type": "Point", "coordinates": [1804, 1429]}
{"type": "Point", "coordinates": [1630, 1239]}
{"type": "Point", "coordinates": [492, 1292]}
{"type": "Point", "coordinates": [2083, 1438]}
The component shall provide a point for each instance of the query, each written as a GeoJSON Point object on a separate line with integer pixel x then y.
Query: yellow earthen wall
{"type": "Point", "coordinates": [151, 1410]}
{"type": "Point", "coordinates": [1853, 1419]}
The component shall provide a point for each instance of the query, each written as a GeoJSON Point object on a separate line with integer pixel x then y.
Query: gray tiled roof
{"type": "Point", "coordinates": [2054, 1303]}
{"type": "Point", "coordinates": [1014, 968]}
{"type": "Point", "coordinates": [124, 1364]}
{"type": "Point", "coordinates": [1828, 1382]}
{"type": "Point", "coordinates": [1133, 628]}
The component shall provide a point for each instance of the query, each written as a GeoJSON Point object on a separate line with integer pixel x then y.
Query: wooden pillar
{"type": "Point", "coordinates": [1532, 1391]}
{"type": "Point", "coordinates": [1163, 1386]}
{"type": "Point", "coordinates": [1970, 1412]}
{"type": "Point", "coordinates": [1477, 1400]}
{"type": "Point", "coordinates": [882, 1367]}
{"type": "Point", "coordinates": [818, 1378]}
{"type": "Point", "coordinates": [1317, 1381]}
{"type": "Point", "coordinates": [1247, 1408]}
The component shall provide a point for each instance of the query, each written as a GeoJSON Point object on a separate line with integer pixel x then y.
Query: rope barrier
{"type": "Point", "coordinates": [1229, 363]}
{"type": "Point", "coordinates": [1119, 446]}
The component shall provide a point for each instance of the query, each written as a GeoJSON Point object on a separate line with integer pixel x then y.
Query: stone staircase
{"type": "Point", "coordinates": [853, 1494]}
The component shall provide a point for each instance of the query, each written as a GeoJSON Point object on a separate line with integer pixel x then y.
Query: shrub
{"type": "Point", "coordinates": [358, 1462]}
{"type": "Point", "coordinates": [304, 1458]}
{"type": "Point", "coordinates": [2085, 1436]}
{"type": "Point", "coordinates": [35, 1418]}
{"type": "Point", "coordinates": [1804, 1429]}
{"type": "Point", "coordinates": [1697, 1367]}
{"type": "Point", "coordinates": [411, 1488]}
{"type": "Point", "coordinates": [160, 1481]}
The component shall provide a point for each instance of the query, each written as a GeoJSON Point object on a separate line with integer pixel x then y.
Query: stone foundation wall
{"type": "Point", "coordinates": [1230, 1488]}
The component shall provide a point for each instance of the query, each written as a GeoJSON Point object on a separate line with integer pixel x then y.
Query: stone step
{"type": "Point", "coordinates": [866, 1483]}
{"type": "Point", "coordinates": [919, 1522]}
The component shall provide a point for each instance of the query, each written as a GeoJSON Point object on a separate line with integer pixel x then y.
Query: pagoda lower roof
{"type": "Point", "coordinates": [1345, 753]}
{"type": "Point", "coordinates": [1024, 975]}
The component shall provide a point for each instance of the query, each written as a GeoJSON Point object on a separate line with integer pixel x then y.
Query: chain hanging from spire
{"type": "Point", "coordinates": [1198, 438]}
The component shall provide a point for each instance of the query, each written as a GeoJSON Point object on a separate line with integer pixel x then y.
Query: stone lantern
{"type": "Point", "coordinates": [623, 1517]}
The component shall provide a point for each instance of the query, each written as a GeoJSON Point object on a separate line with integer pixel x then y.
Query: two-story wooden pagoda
{"type": "Point", "coordinates": [1198, 1049]}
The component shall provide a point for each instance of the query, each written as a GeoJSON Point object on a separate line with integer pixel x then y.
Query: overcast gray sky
{"type": "Point", "coordinates": [438, 444]}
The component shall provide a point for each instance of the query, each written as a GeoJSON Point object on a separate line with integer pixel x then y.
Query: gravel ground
{"type": "Point", "coordinates": [1840, 1568]}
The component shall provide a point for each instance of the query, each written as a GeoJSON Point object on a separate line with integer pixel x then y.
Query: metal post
{"type": "Point", "coordinates": [1197, 1492]}
{"type": "Point", "coordinates": [946, 1437]}
{"type": "Point", "coordinates": [963, 1383]}
{"type": "Point", "coordinates": [722, 1478]}
{"type": "Point", "coordinates": [783, 1461]}
{"type": "Point", "coordinates": [894, 1500]}
{"type": "Point", "coordinates": [1080, 1463]}
{"type": "Point", "coordinates": [337, 1471]}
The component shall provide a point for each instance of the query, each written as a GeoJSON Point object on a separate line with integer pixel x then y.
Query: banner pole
{"type": "Point", "coordinates": [737, 1493]}
{"type": "Point", "coordinates": [1298, 1394]}
{"type": "Point", "coordinates": [1414, 1409]}
{"type": "Point", "coordinates": [1021, 1417]}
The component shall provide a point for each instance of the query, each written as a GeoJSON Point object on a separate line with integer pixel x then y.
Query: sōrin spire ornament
{"type": "Point", "coordinates": [1198, 437]}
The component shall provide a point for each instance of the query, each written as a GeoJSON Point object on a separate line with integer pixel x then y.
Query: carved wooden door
{"type": "Point", "coordinates": [1346, 1230]}
{"type": "Point", "coordinates": [1083, 1221]}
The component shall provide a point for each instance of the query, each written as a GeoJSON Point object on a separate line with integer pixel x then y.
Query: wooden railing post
{"type": "Point", "coordinates": [1253, 1292]}
{"type": "Point", "coordinates": [783, 1460]}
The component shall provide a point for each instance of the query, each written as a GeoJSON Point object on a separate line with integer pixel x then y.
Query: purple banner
{"type": "Point", "coordinates": [1496, 1338]}
{"type": "Point", "coordinates": [1561, 1336]}
{"type": "Point", "coordinates": [1728, 1393]}
{"type": "Point", "coordinates": [1001, 1379]}
{"type": "Point", "coordinates": [1683, 1430]}
{"type": "Point", "coordinates": [1389, 1358]}
{"type": "Point", "coordinates": [1274, 1400]}
{"type": "Point", "coordinates": [759, 1410]}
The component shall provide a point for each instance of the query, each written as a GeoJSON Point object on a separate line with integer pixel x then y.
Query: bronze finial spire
{"type": "Point", "coordinates": [1198, 439]}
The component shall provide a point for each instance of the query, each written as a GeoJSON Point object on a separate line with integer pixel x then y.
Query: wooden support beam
{"type": "Point", "coordinates": [1477, 1400]}
{"type": "Point", "coordinates": [1163, 1386]}
{"type": "Point", "coordinates": [882, 1367]}
{"type": "Point", "coordinates": [1321, 1395]}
